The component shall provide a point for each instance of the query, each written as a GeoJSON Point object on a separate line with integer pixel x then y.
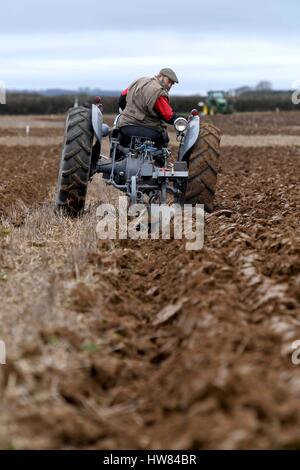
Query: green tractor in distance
{"type": "Point", "coordinates": [216, 103]}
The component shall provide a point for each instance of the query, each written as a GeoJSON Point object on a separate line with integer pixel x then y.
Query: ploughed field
{"type": "Point", "coordinates": [142, 344]}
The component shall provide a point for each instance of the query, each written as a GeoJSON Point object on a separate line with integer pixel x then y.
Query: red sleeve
{"type": "Point", "coordinates": [124, 92]}
{"type": "Point", "coordinates": [163, 108]}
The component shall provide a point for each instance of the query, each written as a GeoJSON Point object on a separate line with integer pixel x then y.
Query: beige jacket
{"type": "Point", "coordinates": [140, 101]}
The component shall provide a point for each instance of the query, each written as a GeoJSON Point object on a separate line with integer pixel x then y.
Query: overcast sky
{"type": "Point", "coordinates": [107, 44]}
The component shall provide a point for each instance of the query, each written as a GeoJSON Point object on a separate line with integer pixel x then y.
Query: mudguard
{"type": "Point", "coordinates": [190, 137]}
{"type": "Point", "coordinates": [97, 121]}
{"type": "Point", "coordinates": [100, 129]}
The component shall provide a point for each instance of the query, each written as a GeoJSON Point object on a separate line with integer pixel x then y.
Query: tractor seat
{"type": "Point", "coordinates": [142, 131]}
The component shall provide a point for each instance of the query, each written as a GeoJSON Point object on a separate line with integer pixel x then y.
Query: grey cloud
{"type": "Point", "coordinates": [107, 44]}
{"type": "Point", "coordinates": [255, 17]}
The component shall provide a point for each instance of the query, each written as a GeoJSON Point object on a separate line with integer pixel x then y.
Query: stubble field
{"type": "Point", "coordinates": [89, 364]}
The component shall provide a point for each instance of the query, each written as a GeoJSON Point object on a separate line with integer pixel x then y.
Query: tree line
{"type": "Point", "coordinates": [34, 103]}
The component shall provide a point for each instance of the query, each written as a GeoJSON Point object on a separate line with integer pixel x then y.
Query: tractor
{"type": "Point", "coordinates": [216, 103]}
{"type": "Point", "coordinates": [139, 163]}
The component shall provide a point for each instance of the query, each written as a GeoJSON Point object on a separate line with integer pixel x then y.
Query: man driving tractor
{"type": "Point", "coordinates": [138, 162]}
{"type": "Point", "coordinates": [146, 103]}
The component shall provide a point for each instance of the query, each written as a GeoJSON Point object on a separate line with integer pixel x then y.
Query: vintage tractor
{"type": "Point", "coordinates": [139, 162]}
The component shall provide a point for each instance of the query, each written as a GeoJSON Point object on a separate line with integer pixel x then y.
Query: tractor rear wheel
{"type": "Point", "coordinates": [203, 167]}
{"type": "Point", "coordinates": [76, 158]}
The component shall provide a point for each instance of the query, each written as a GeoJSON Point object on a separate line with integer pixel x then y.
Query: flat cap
{"type": "Point", "coordinates": [170, 74]}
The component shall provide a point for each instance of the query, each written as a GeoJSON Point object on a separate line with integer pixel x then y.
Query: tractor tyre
{"type": "Point", "coordinates": [76, 159]}
{"type": "Point", "coordinates": [203, 166]}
